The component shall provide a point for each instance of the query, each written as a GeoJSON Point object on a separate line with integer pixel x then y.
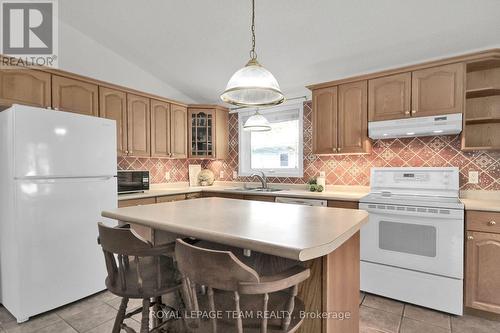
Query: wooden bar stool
{"type": "Point", "coordinates": [137, 269]}
{"type": "Point", "coordinates": [235, 288]}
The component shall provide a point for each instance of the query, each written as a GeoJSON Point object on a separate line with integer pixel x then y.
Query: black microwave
{"type": "Point", "coordinates": [133, 181]}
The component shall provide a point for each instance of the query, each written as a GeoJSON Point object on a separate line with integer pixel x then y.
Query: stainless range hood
{"type": "Point", "coordinates": [417, 126]}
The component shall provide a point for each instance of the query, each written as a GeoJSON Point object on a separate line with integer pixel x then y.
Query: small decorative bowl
{"type": "Point", "coordinates": [206, 177]}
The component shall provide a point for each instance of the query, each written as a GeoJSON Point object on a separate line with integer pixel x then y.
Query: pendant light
{"type": "Point", "coordinates": [253, 85]}
{"type": "Point", "coordinates": [256, 123]}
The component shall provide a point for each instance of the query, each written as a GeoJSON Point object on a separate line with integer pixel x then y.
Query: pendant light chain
{"type": "Point", "coordinates": [253, 54]}
{"type": "Point", "coordinates": [253, 85]}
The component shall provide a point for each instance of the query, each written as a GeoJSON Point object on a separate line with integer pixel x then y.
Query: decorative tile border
{"type": "Point", "coordinates": [434, 151]}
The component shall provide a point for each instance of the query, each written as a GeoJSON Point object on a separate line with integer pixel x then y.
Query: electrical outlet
{"type": "Point", "coordinates": [221, 174]}
{"type": "Point", "coordinates": [167, 175]}
{"type": "Point", "coordinates": [322, 174]}
{"type": "Point", "coordinates": [473, 177]}
{"type": "Point", "coordinates": [235, 174]}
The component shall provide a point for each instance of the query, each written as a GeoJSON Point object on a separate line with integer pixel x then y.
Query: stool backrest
{"type": "Point", "coordinates": [134, 265]}
{"type": "Point", "coordinates": [218, 269]}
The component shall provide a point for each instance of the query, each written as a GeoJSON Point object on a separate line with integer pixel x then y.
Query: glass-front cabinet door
{"type": "Point", "coordinates": [201, 130]}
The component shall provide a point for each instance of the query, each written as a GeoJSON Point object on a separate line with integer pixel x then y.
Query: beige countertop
{"type": "Point", "coordinates": [289, 231]}
{"type": "Point", "coordinates": [345, 193]}
{"type": "Point", "coordinates": [481, 200]}
{"type": "Point", "coordinates": [472, 200]}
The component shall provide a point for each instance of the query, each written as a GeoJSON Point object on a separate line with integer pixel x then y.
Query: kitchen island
{"type": "Point", "coordinates": [324, 239]}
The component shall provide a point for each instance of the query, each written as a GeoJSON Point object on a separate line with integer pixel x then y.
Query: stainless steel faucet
{"type": "Point", "coordinates": [262, 177]}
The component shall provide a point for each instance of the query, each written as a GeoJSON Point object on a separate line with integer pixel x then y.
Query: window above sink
{"type": "Point", "coordinates": [278, 152]}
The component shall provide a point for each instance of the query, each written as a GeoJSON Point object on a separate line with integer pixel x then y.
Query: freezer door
{"type": "Point", "coordinates": [51, 143]}
{"type": "Point", "coordinates": [59, 258]}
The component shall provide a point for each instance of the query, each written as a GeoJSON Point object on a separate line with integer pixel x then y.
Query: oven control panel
{"type": "Point", "coordinates": [438, 181]}
{"type": "Point", "coordinates": [411, 177]}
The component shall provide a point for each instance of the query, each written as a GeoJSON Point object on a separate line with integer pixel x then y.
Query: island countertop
{"type": "Point", "coordinates": [284, 230]}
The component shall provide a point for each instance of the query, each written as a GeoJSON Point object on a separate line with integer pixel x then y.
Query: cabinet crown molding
{"type": "Point", "coordinates": [493, 54]}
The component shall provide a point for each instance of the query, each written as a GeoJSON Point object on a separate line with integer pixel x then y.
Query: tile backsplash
{"type": "Point", "coordinates": [435, 151]}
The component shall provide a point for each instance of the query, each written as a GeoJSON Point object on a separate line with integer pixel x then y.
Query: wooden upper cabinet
{"type": "Point", "coordinates": [201, 132]}
{"type": "Point", "coordinates": [482, 279]}
{"type": "Point", "coordinates": [178, 131]}
{"type": "Point", "coordinates": [25, 86]}
{"type": "Point", "coordinates": [75, 96]}
{"type": "Point", "coordinates": [113, 105]}
{"type": "Point", "coordinates": [139, 125]}
{"type": "Point", "coordinates": [353, 118]}
{"type": "Point", "coordinates": [324, 120]}
{"type": "Point", "coordinates": [221, 134]}
{"type": "Point", "coordinates": [438, 90]}
{"type": "Point", "coordinates": [160, 129]}
{"type": "Point", "coordinates": [208, 132]}
{"type": "Point", "coordinates": [389, 97]}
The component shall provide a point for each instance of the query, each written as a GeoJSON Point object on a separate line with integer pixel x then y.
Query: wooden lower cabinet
{"type": "Point", "coordinates": [326, 291]}
{"type": "Point", "coordinates": [171, 198]}
{"type": "Point", "coordinates": [144, 232]}
{"type": "Point", "coordinates": [223, 195]}
{"type": "Point", "coordinates": [25, 86]}
{"type": "Point", "coordinates": [75, 96]}
{"type": "Point", "coordinates": [343, 204]}
{"type": "Point", "coordinates": [482, 261]}
{"type": "Point", "coordinates": [194, 195]}
{"type": "Point", "coordinates": [253, 197]}
{"type": "Point", "coordinates": [265, 198]}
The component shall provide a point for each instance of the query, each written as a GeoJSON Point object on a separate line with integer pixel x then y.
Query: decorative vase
{"type": "Point", "coordinates": [206, 177]}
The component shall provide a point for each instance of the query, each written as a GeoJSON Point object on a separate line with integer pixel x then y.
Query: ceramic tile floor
{"type": "Point", "coordinates": [378, 314]}
{"type": "Point", "coordinates": [96, 314]}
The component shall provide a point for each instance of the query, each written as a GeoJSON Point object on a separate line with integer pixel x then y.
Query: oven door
{"type": "Point", "coordinates": [423, 239]}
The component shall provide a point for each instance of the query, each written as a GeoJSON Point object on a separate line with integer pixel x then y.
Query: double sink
{"type": "Point", "coordinates": [264, 188]}
{"type": "Point", "coordinates": [257, 189]}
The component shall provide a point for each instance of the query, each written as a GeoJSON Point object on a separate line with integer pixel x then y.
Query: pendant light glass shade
{"type": "Point", "coordinates": [257, 123]}
{"type": "Point", "coordinates": [253, 85]}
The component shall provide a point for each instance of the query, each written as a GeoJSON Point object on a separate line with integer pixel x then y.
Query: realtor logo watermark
{"type": "Point", "coordinates": [29, 32]}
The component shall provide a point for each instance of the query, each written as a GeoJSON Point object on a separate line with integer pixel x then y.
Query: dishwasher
{"type": "Point", "coordinates": [304, 202]}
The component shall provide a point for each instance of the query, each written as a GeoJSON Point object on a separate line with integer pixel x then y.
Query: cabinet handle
{"type": "Point", "coordinates": [413, 111]}
{"type": "Point", "coordinates": [126, 152]}
{"type": "Point", "coordinates": [470, 237]}
{"type": "Point", "coordinates": [131, 152]}
{"type": "Point", "coordinates": [407, 112]}
{"type": "Point", "coordinates": [492, 223]}
{"type": "Point", "coordinates": [339, 149]}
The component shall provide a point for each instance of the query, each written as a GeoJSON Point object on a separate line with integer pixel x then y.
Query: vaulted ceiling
{"type": "Point", "coordinates": [196, 45]}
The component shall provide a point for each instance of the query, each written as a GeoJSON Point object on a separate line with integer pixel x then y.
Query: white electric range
{"type": "Point", "coordinates": [412, 247]}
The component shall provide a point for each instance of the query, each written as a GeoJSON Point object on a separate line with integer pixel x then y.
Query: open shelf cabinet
{"type": "Point", "coordinates": [482, 106]}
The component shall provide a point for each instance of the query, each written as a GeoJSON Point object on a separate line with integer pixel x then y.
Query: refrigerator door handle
{"type": "Point", "coordinates": [64, 179]}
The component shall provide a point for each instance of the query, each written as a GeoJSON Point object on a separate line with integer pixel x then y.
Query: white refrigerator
{"type": "Point", "coordinates": [57, 173]}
